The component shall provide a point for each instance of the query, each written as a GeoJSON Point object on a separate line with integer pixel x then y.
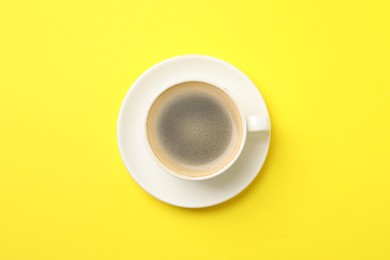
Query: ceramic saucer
{"type": "Point", "coordinates": [157, 182]}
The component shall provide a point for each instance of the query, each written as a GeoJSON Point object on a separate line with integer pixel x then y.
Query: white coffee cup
{"type": "Point", "coordinates": [197, 110]}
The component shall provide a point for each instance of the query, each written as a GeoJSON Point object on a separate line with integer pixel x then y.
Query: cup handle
{"type": "Point", "coordinates": [257, 124]}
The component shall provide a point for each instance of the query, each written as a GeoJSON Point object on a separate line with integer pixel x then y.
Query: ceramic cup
{"type": "Point", "coordinates": [249, 124]}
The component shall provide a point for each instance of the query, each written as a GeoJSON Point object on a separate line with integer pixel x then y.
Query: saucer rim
{"type": "Point", "coordinates": [120, 142]}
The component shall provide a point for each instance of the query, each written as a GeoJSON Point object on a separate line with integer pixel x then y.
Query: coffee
{"type": "Point", "coordinates": [194, 129]}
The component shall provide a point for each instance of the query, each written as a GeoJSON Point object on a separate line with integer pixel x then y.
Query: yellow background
{"type": "Point", "coordinates": [322, 67]}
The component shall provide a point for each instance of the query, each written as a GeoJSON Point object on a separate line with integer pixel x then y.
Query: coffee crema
{"type": "Point", "coordinates": [194, 129]}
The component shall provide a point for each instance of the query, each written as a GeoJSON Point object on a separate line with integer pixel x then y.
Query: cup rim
{"type": "Point", "coordinates": [227, 165]}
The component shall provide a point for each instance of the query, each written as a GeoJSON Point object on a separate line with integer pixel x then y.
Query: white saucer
{"type": "Point", "coordinates": [162, 185]}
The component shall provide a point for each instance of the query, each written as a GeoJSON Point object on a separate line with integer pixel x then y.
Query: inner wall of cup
{"type": "Point", "coordinates": [165, 157]}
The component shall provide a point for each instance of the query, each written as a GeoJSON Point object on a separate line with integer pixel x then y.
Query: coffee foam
{"type": "Point", "coordinates": [194, 129]}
